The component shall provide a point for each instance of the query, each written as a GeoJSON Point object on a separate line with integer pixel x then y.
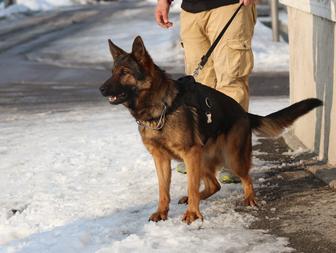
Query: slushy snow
{"type": "Point", "coordinates": [82, 181]}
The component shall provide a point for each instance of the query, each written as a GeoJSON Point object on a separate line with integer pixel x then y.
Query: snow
{"type": "Point", "coordinates": [163, 44]}
{"type": "Point", "coordinates": [122, 27]}
{"type": "Point", "coordinates": [37, 5]}
{"type": "Point", "coordinates": [17, 8]}
{"type": "Point", "coordinates": [44, 4]}
{"type": "Point", "coordinates": [81, 180]}
{"type": "Point", "coordinates": [269, 55]}
{"type": "Point", "coordinates": [297, 152]}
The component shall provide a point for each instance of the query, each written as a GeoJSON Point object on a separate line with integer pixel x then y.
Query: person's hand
{"type": "Point", "coordinates": [161, 14]}
{"type": "Point", "coordinates": [248, 2]}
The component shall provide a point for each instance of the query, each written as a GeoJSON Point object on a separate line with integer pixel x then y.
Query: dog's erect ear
{"type": "Point", "coordinates": [138, 48]}
{"type": "Point", "coordinates": [115, 51]}
{"type": "Point", "coordinates": [140, 53]}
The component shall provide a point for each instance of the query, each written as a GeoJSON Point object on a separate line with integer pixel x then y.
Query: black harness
{"type": "Point", "coordinates": [216, 112]}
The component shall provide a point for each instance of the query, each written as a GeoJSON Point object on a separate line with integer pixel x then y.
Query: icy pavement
{"type": "Point", "coordinates": [81, 181]}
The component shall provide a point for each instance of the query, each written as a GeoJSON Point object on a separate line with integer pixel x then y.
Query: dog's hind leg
{"type": "Point", "coordinates": [163, 171]}
{"type": "Point", "coordinates": [248, 191]}
{"type": "Point", "coordinates": [241, 167]}
{"type": "Point", "coordinates": [211, 186]}
{"type": "Point", "coordinates": [238, 158]}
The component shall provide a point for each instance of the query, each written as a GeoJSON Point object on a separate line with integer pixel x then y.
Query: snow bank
{"type": "Point", "coordinates": [16, 8]}
{"type": "Point", "coordinates": [82, 181]}
{"type": "Point", "coordinates": [45, 4]}
{"type": "Point", "coordinates": [35, 5]}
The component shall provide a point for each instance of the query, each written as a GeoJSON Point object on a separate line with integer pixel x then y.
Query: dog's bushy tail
{"type": "Point", "coordinates": [273, 124]}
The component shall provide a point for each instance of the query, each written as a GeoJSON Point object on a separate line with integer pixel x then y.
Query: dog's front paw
{"type": "Point", "coordinates": [157, 216]}
{"type": "Point", "coordinates": [191, 216]}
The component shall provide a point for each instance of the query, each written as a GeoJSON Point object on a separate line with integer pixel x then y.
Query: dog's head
{"type": "Point", "coordinates": [131, 73]}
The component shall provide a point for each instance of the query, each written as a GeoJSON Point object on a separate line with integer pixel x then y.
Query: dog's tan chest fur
{"type": "Point", "coordinates": [175, 138]}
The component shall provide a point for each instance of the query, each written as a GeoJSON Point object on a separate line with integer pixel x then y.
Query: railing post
{"type": "Point", "coordinates": [275, 19]}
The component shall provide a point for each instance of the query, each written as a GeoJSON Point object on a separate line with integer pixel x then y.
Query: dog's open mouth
{"type": "Point", "coordinates": [118, 98]}
{"type": "Point", "coordinates": [112, 99]}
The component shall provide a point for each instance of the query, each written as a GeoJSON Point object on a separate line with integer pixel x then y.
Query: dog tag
{"type": "Point", "coordinates": [209, 119]}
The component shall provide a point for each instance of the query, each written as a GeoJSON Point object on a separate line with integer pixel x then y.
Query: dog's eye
{"type": "Point", "coordinates": [123, 72]}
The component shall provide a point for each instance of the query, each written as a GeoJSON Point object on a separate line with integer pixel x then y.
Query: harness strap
{"type": "Point", "coordinates": [205, 57]}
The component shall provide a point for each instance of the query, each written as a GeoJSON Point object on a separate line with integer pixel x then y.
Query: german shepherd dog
{"type": "Point", "coordinates": [188, 121]}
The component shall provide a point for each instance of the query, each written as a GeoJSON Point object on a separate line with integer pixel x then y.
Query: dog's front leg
{"type": "Point", "coordinates": [192, 159]}
{"type": "Point", "coordinates": [163, 171]}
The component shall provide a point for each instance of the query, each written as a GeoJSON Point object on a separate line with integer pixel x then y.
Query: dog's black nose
{"type": "Point", "coordinates": [102, 90]}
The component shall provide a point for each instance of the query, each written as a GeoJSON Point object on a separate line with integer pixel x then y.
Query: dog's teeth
{"type": "Point", "coordinates": [111, 99]}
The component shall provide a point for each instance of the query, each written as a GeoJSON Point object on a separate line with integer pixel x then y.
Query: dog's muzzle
{"type": "Point", "coordinates": [113, 98]}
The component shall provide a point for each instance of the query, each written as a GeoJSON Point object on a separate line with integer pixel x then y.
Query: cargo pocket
{"type": "Point", "coordinates": [239, 58]}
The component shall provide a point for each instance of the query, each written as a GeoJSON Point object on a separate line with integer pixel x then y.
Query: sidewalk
{"type": "Point", "coordinates": [296, 204]}
{"type": "Point", "coordinates": [75, 172]}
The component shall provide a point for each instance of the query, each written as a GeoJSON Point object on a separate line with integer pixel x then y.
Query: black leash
{"type": "Point", "coordinates": [205, 57]}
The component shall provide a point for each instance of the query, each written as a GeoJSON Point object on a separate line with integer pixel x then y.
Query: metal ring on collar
{"type": "Point", "coordinates": [207, 102]}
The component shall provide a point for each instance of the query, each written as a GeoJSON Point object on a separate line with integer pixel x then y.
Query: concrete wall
{"type": "Point", "coordinates": [312, 40]}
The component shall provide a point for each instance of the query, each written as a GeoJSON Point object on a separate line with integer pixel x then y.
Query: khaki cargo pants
{"type": "Point", "coordinates": [232, 60]}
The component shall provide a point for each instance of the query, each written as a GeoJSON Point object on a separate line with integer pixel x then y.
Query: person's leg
{"type": "Point", "coordinates": [195, 43]}
{"type": "Point", "coordinates": [233, 57]}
